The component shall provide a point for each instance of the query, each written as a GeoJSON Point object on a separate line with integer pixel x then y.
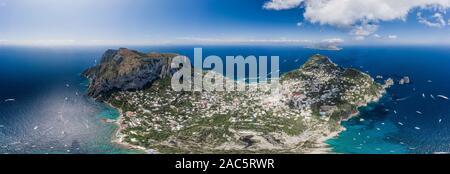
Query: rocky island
{"type": "Point", "coordinates": [312, 102]}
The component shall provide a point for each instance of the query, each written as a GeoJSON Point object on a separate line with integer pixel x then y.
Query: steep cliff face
{"type": "Point", "coordinates": [126, 69]}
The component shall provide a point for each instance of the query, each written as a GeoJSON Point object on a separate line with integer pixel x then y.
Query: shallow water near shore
{"type": "Point", "coordinates": [51, 113]}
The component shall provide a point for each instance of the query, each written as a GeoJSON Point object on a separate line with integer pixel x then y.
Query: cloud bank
{"type": "Point", "coordinates": [282, 4]}
{"type": "Point", "coordinates": [362, 16]}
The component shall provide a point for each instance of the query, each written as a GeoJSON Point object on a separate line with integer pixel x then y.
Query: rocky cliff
{"type": "Point", "coordinates": [126, 69]}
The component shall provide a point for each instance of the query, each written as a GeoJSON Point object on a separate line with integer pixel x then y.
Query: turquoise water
{"type": "Point", "coordinates": [369, 136]}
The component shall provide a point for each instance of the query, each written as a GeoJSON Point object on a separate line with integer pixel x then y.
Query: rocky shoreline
{"type": "Point", "coordinates": [308, 111]}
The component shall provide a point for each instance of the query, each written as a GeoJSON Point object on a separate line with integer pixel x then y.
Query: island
{"type": "Point", "coordinates": [312, 102]}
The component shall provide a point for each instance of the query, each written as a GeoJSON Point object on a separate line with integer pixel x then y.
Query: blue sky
{"type": "Point", "coordinates": [143, 22]}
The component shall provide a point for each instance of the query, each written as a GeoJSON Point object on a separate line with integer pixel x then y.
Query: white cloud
{"type": "Point", "coordinates": [282, 4]}
{"type": "Point", "coordinates": [241, 40]}
{"type": "Point", "coordinates": [363, 30]}
{"type": "Point", "coordinates": [376, 36]}
{"type": "Point", "coordinates": [350, 12]}
{"type": "Point", "coordinates": [436, 20]}
{"type": "Point", "coordinates": [392, 37]}
{"type": "Point", "coordinates": [361, 16]}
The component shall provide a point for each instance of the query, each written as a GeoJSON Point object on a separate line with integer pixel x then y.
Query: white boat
{"type": "Point", "coordinates": [10, 100]}
{"type": "Point", "coordinates": [440, 120]}
{"type": "Point", "coordinates": [418, 112]}
{"type": "Point", "coordinates": [395, 112]}
{"type": "Point", "coordinates": [35, 127]}
{"type": "Point", "coordinates": [423, 95]}
{"type": "Point", "coordinates": [402, 99]}
{"type": "Point", "coordinates": [443, 97]}
{"type": "Point", "coordinates": [400, 123]}
{"type": "Point", "coordinates": [432, 96]}
{"type": "Point", "coordinates": [67, 85]}
{"type": "Point", "coordinates": [417, 128]}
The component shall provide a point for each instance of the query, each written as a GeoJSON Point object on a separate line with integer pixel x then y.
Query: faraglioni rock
{"type": "Point", "coordinates": [125, 69]}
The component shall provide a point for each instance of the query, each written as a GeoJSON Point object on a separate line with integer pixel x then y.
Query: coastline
{"type": "Point", "coordinates": [321, 147]}
{"type": "Point", "coordinates": [318, 138]}
{"type": "Point", "coordinates": [325, 148]}
{"type": "Point", "coordinates": [116, 137]}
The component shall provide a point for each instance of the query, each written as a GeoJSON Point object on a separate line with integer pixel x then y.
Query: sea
{"type": "Point", "coordinates": [44, 107]}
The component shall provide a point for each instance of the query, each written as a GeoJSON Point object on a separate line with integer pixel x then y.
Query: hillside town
{"type": "Point", "coordinates": [308, 109]}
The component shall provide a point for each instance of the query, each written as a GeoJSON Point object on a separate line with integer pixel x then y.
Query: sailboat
{"type": "Point", "coordinates": [10, 100]}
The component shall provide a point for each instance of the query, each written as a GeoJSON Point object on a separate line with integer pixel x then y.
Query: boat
{"type": "Point", "coordinates": [400, 123]}
{"type": "Point", "coordinates": [402, 99]}
{"type": "Point", "coordinates": [418, 112]}
{"type": "Point", "coordinates": [10, 100]}
{"type": "Point", "coordinates": [423, 95]}
{"type": "Point", "coordinates": [67, 85]}
{"type": "Point", "coordinates": [35, 127]}
{"type": "Point", "coordinates": [432, 96]}
{"type": "Point", "coordinates": [417, 128]}
{"type": "Point", "coordinates": [440, 120]}
{"type": "Point", "coordinates": [443, 97]}
{"type": "Point", "coordinates": [395, 112]}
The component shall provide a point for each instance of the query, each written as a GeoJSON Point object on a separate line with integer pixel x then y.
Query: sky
{"type": "Point", "coordinates": [160, 22]}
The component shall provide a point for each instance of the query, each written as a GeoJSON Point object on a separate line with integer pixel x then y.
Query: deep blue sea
{"type": "Point", "coordinates": [51, 114]}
